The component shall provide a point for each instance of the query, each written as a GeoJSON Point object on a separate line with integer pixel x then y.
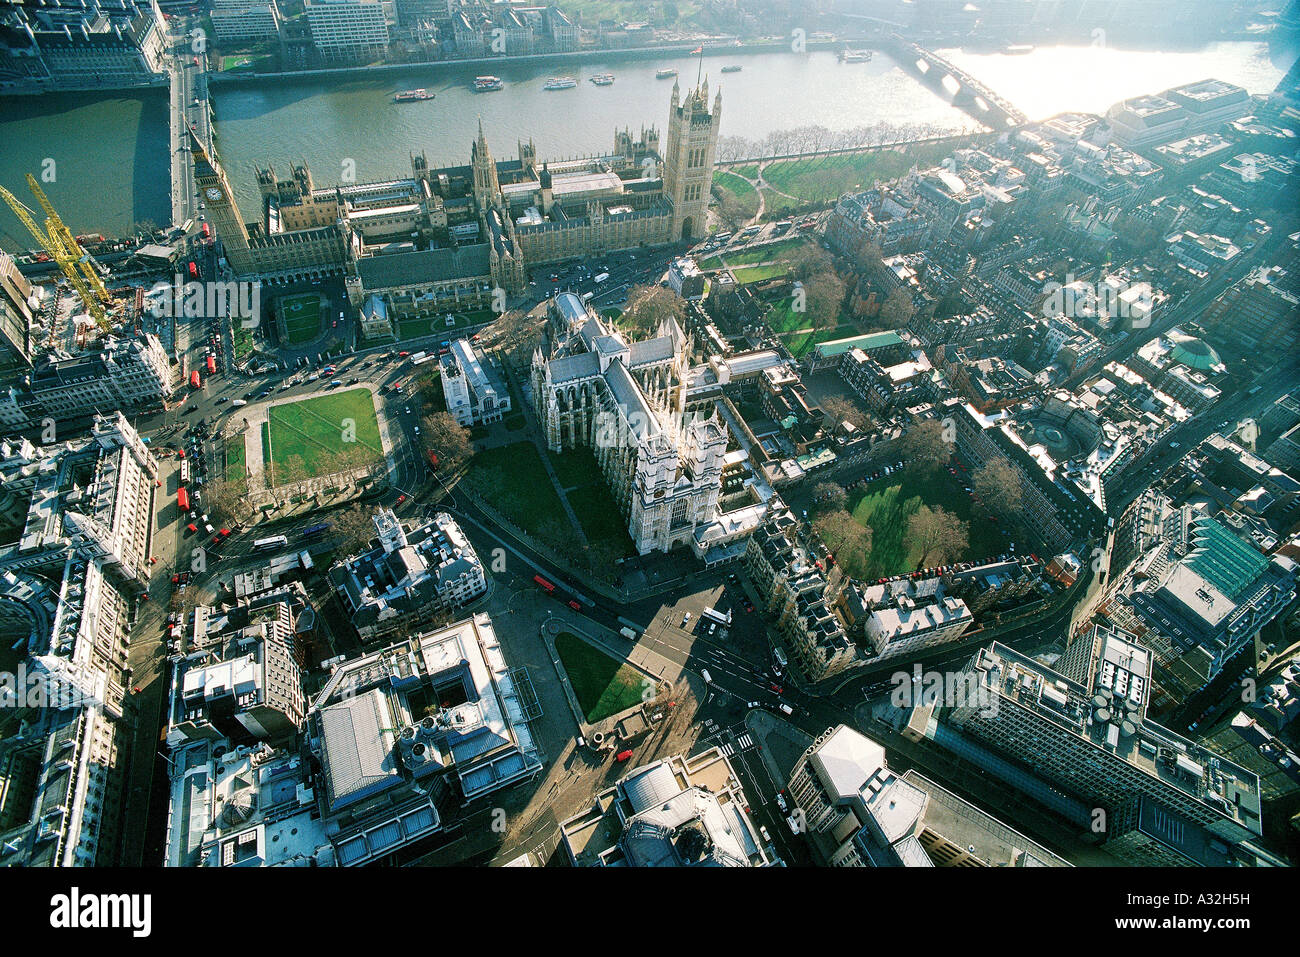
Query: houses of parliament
{"type": "Point", "coordinates": [444, 238]}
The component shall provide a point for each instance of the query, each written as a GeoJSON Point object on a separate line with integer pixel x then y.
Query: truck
{"type": "Point", "coordinates": [628, 633]}
{"type": "Point", "coordinates": [708, 678]}
{"type": "Point", "coordinates": [238, 402]}
{"type": "Point", "coordinates": [421, 359]}
{"type": "Point", "coordinates": [415, 359]}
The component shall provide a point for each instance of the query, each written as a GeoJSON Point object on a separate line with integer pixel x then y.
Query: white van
{"type": "Point", "coordinates": [708, 678]}
{"type": "Point", "coordinates": [786, 709]}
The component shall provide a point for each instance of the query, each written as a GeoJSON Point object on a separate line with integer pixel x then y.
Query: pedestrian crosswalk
{"type": "Point", "coordinates": [745, 742]}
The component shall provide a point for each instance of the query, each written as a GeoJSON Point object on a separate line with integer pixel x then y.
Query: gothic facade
{"type": "Point", "coordinates": [627, 402]}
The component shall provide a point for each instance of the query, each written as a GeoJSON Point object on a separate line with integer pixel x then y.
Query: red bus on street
{"type": "Point", "coordinates": [183, 500]}
{"type": "Point", "coordinates": [574, 605]}
{"type": "Point", "coordinates": [546, 586]}
{"type": "Point", "coordinates": [194, 271]}
{"type": "Point", "coordinates": [212, 364]}
{"type": "Point", "coordinates": [206, 232]}
{"type": "Point", "coordinates": [195, 381]}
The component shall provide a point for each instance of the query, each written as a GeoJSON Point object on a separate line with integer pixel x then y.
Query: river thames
{"type": "Point", "coordinates": [110, 149]}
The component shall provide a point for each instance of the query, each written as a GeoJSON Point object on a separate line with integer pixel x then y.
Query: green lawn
{"type": "Point", "coordinates": [236, 469]}
{"type": "Point", "coordinates": [824, 179]}
{"type": "Point", "coordinates": [301, 315]}
{"type": "Point", "coordinates": [316, 429]}
{"type": "Point", "coordinates": [600, 518]}
{"type": "Point", "coordinates": [885, 508]}
{"type": "Point", "coordinates": [433, 325]}
{"type": "Point", "coordinates": [603, 685]}
{"type": "Point", "coordinates": [770, 252]}
{"type": "Point", "coordinates": [751, 274]}
{"type": "Point", "coordinates": [748, 172]}
{"type": "Point", "coordinates": [512, 479]}
{"type": "Point", "coordinates": [576, 467]}
{"type": "Point", "coordinates": [801, 343]}
{"type": "Point", "coordinates": [734, 184]}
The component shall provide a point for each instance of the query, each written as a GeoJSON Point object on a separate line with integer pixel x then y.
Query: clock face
{"type": "Point", "coordinates": [214, 193]}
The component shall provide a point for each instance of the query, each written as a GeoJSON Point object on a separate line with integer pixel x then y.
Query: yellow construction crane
{"type": "Point", "coordinates": [57, 240]}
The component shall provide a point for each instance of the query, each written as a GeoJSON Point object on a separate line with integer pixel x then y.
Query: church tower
{"type": "Point", "coordinates": [486, 185]}
{"type": "Point", "coordinates": [689, 157]}
{"type": "Point", "coordinates": [221, 209]}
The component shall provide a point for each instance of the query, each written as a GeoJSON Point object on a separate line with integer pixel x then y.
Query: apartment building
{"type": "Point", "coordinates": [676, 812]}
{"type": "Point", "coordinates": [793, 589]}
{"type": "Point", "coordinates": [900, 617]}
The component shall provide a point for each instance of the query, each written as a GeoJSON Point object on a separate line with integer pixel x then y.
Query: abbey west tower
{"type": "Point", "coordinates": [688, 159]}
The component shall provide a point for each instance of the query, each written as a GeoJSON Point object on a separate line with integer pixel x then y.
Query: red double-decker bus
{"type": "Point", "coordinates": [546, 586]}
{"type": "Point", "coordinates": [183, 500]}
{"type": "Point", "coordinates": [212, 364]}
{"type": "Point", "coordinates": [195, 381]}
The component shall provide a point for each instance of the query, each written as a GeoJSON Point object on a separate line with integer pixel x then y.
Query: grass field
{"type": "Point", "coordinates": [512, 479]}
{"type": "Point", "coordinates": [603, 685]}
{"type": "Point", "coordinates": [748, 172]}
{"type": "Point", "coordinates": [575, 468]}
{"type": "Point", "coordinates": [749, 274]}
{"type": "Point", "coordinates": [885, 508]}
{"type": "Point", "coordinates": [236, 467]}
{"type": "Point", "coordinates": [778, 251]}
{"type": "Point", "coordinates": [801, 343]}
{"type": "Point", "coordinates": [314, 428]}
{"type": "Point", "coordinates": [301, 316]}
{"type": "Point", "coordinates": [433, 325]}
{"type": "Point", "coordinates": [744, 193]}
{"type": "Point", "coordinates": [824, 179]}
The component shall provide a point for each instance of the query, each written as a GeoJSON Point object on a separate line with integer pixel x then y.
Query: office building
{"type": "Point", "coordinates": [857, 812]}
{"type": "Point", "coordinates": [409, 577]}
{"type": "Point", "coordinates": [676, 812]}
{"type": "Point", "coordinates": [439, 716]}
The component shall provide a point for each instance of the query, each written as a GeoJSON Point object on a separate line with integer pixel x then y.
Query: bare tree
{"type": "Point", "coordinates": [848, 541]}
{"type": "Point", "coordinates": [354, 527]}
{"type": "Point", "coordinates": [840, 409]}
{"type": "Point", "coordinates": [829, 497]}
{"type": "Point", "coordinates": [898, 309]}
{"type": "Point", "coordinates": [823, 297]}
{"type": "Point", "coordinates": [447, 439]}
{"type": "Point", "coordinates": [648, 306]}
{"type": "Point", "coordinates": [941, 535]}
{"type": "Point", "coordinates": [996, 481]}
{"type": "Point", "coordinates": [924, 447]}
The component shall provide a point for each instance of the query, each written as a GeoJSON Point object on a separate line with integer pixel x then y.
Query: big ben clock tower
{"type": "Point", "coordinates": [221, 209]}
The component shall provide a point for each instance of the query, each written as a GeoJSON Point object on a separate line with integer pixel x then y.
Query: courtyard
{"type": "Point", "coordinates": [301, 316]}
{"type": "Point", "coordinates": [885, 507]}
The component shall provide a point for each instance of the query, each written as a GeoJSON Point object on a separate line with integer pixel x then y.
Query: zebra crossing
{"type": "Point", "coordinates": [744, 742]}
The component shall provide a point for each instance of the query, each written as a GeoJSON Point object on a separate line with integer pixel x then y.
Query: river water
{"type": "Point", "coordinates": [110, 150]}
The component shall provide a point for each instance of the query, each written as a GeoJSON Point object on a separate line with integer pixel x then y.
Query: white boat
{"type": "Point", "coordinates": [603, 79]}
{"type": "Point", "coordinates": [560, 83]}
{"type": "Point", "coordinates": [484, 84]}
